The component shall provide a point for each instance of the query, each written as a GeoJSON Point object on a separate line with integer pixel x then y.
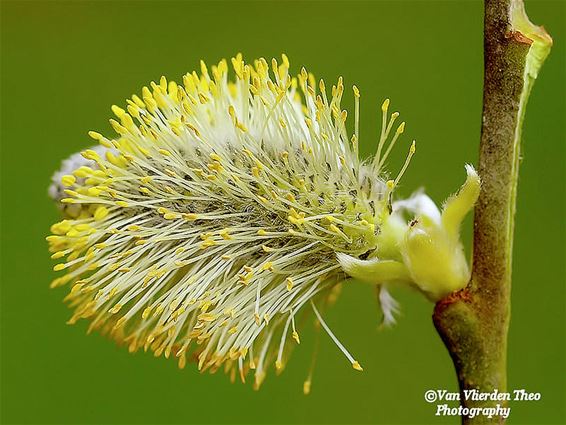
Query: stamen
{"type": "Point", "coordinates": [308, 382]}
{"type": "Point", "coordinates": [278, 363]}
{"type": "Point", "coordinates": [356, 118]}
{"type": "Point", "coordinates": [412, 151]}
{"type": "Point", "coordinates": [354, 363]}
{"type": "Point", "coordinates": [382, 137]}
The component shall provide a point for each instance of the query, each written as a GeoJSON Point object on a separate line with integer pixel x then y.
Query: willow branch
{"type": "Point", "coordinates": [473, 323]}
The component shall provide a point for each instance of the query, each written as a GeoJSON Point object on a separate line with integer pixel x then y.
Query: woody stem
{"type": "Point", "coordinates": [473, 322]}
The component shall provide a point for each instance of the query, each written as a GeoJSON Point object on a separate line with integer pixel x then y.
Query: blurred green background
{"type": "Point", "coordinates": [65, 62]}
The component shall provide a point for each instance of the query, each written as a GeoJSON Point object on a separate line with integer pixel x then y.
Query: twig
{"type": "Point", "coordinates": [473, 323]}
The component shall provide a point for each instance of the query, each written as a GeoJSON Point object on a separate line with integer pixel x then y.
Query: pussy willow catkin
{"type": "Point", "coordinates": [227, 207]}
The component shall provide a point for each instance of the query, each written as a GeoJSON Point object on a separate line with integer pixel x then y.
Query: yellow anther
{"type": "Point", "coordinates": [59, 281]}
{"type": "Point", "coordinates": [356, 91]}
{"type": "Point", "coordinates": [357, 366]}
{"type": "Point", "coordinates": [96, 136]}
{"type": "Point", "coordinates": [205, 235]}
{"type": "Point", "coordinates": [413, 148]}
{"type": "Point", "coordinates": [146, 312]}
{"type": "Point", "coordinates": [307, 387]}
{"type": "Point", "coordinates": [89, 257]}
{"type": "Point", "coordinates": [268, 266]}
{"type": "Point", "coordinates": [57, 255]}
{"type": "Point", "coordinates": [83, 171]}
{"type": "Point", "coordinates": [202, 98]}
{"type": "Point", "coordinates": [171, 216]}
{"type": "Point", "coordinates": [122, 204]}
{"type": "Point", "coordinates": [118, 111]}
{"type": "Point", "coordinates": [94, 191]}
{"type": "Point", "coordinates": [119, 323]}
{"type": "Point", "coordinates": [91, 155]}
{"type": "Point", "coordinates": [226, 257]}
{"type": "Point", "coordinates": [118, 128]}
{"type": "Point", "coordinates": [215, 166]}
{"type": "Point", "coordinates": [335, 228]}
{"type": "Point", "coordinates": [296, 337]}
{"type": "Point", "coordinates": [59, 267]}
{"type": "Point", "coordinates": [207, 317]}
{"type": "Point", "coordinates": [190, 216]}
{"type": "Point", "coordinates": [164, 152]}
{"type": "Point", "coordinates": [68, 180]}
{"type": "Point", "coordinates": [233, 330]}
{"type": "Point", "coordinates": [385, 105]}
{"type": "Point", "coordinates": [138, 101]}
{"type": "Point", "coordinates": [267, 248]}
{"type": "Point", "coordinates": [163, 83]}
{"type": "Point", "coordinates": [174, 304]}
{"type": "Point", "coordinates": [290, 283]}
{"type": "Point", "coordinates": [115, 309]}
{"type": "Point", "coordinates": [114, 160]}
{"type": "Point", "coordinates": [61, 227]}
{"type": "Point", "coordinates": [290, 197]}
{"type": "Point", "coordinates": [261, 232]}
{"type": "Point", "coordinates": [296, 221]}
{"type": "Point", "coordinates": [207, 242]}
{"type": "Point", "coordinates": [133, 109]}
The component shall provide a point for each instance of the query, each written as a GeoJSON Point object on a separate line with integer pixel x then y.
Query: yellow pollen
{"type": "Point", "coordinates": [290, 283]}
{"type": "Point", "coordinates": [115, 309]}
{"type": "Point", "coordinates": [357, 366]}
{"type": "Point", "coordinates": [100, 213]}
{"type": "Point", "coordinates": [171, 216]}
{"type": "Point", "coordinates": [68, 180]}
{"type": "Point", "coordinates": [307, 387]}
